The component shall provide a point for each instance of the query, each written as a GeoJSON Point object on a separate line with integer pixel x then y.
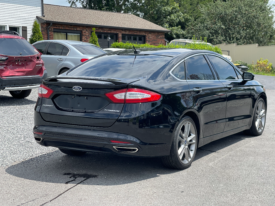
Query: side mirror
{"type": "Point", "coordinates": [247, 76]}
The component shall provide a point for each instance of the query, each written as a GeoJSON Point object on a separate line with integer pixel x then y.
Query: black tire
{"type": "Point", "coordinates": [20, 94]}
{"type": "Point", "coordinates": [63, 71]}
{"type": "Point", "coordinates": [173, 160]}
{"type": "Point", "coordinates": [253, 129]}
{"type": "Point", "coordinates": [72, 152]}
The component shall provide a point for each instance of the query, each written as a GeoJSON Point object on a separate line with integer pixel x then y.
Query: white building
{"type": "Point", "coordinates": [19, 15]}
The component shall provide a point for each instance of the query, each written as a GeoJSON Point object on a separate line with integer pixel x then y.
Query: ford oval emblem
{"type": "Point", "coordinates": [77, 88]}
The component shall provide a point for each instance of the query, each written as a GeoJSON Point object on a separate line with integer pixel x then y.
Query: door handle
{"type": "Point", "coordinates": [197, 89]}
{"type": "Point", "coordinates": [60, 59]}
{"type": "Point", "coordinates": [229, 86]}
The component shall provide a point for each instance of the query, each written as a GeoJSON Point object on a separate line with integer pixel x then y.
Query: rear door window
{"type": "Point", "coordinates": [89, 49]}
{"type": "Point", "coordinates": [225, 70]}
{"type": "Point", "coordinates": [41, 47]}
{"type": "Point", "coordinates": [55, 49]}
{"type": "Point", "coordinates": [16, 47]}
{"type": "Point", "coordinates": [197, 68]}
{"type": "Point", "coordinates": [65, 51]}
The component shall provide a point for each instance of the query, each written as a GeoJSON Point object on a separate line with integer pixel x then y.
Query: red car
{"type": "Point", "coordinates": [21, 66]}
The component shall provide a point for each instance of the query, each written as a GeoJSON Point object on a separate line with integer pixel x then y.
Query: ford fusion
{"type": "Point", "coordinates": [163, 103]}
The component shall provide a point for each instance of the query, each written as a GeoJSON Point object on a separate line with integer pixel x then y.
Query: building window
{"type": "Point", "coordinates": [2, 28]}
{"type": "Point", "coordinates": [66, 35]}
{"type": "Point", "coordinates": [16, 29]}
{"type": "Point", "coordinates": [133, 38]}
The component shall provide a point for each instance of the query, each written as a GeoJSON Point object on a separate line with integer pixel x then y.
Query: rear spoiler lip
{"type": "Point", "coordinates": [116, 81]}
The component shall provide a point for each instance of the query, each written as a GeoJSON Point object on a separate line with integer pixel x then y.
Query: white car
{"type": "Point", "coordinates": [108, 50]}
{"type": "Point", "coordinates": [190, 41]}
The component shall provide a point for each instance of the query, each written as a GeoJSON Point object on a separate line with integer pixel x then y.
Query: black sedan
{"type": "Point", "coordinates": [164, 103]}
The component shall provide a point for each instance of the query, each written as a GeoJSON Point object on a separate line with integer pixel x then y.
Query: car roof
{"type": "Point", "coordinates": [10, 36]}
{"type": "Point", "coordinates": [71, 42]}
{"type": "Point", "coordinates": [166, 52]}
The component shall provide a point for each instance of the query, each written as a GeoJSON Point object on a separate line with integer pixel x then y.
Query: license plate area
{"type": "Point", "coordinates": [80, 103]}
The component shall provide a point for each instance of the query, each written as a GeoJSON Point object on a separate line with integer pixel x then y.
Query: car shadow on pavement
{"type": "Point", "coordinates": [107, 169]}
{"type": "Point", "coordinates": [10, 101]}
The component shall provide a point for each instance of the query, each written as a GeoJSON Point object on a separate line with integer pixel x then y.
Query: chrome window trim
{"type": "Point", "coordinates": [185, 68]}
{"type": "Point", "coordinates": [217, 55]}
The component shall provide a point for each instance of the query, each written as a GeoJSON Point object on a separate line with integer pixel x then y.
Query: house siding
{"type": "Point", "coordinates": [19, 13]}
{"type": "Point", "coordinates": [151, 37]}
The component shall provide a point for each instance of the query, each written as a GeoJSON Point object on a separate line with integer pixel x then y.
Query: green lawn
{"type": "Point", "coordinates": [262, 73]}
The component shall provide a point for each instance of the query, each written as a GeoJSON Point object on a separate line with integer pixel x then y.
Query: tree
{"type": "Point", "coordinates": [165, 13]}
{"type": "Point", "coordinates": [36, 33]}
{"type": "Point", "coordinates": [106, 5]}
{"type": "Point", "coordinates": [94, 39]}
{"type": "Point", "coordinates": [234, 21]}
{"type": "Point", "coordinates": [191, 7]}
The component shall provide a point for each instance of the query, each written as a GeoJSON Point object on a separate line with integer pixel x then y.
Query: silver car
{"type": "Point", "coordinates": [61, 55]}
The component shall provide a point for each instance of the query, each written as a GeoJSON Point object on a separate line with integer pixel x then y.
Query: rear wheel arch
{"type": "Point", "coordinates": [263, 96]}
{"type": "Point", "coordinates": [196, 119]}
{"type": "Point", "coordinates": [63, 69]}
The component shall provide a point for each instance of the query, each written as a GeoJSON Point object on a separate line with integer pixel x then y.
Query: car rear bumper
{"type": "Point", "coordinates": [21, 82]}
{"type": "Point", "coordinates": [96, 140]}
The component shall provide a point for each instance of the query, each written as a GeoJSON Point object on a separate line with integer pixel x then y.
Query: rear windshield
{"type": "Point", "coordinates": [89, 49]}
{"type": "Point", "coordinates": [121, 66]}
{"type": "Point", "coordinates": [16, 47]}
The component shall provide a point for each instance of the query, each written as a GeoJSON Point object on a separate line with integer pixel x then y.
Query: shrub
{"type": "Point", "coordinates": [36, 33]}
{"type": "Point", "coordinates": [93, 38]}
{"type": "Point", "coordinates": [196, 46]}
{"type": "Point", "coordinates": [263, 66]}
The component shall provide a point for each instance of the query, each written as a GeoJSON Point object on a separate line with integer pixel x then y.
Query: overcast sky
{"type": "Point", "coordinates": [57, 2]}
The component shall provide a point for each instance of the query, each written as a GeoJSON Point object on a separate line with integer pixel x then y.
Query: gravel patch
{"type": "Point", "coordinates": [16, 124]}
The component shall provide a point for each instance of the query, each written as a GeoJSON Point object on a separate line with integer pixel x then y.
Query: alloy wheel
{"type": "Point", "coordinates": [187, 142]}
{"type": "Point", "coordinates": [260, 116]}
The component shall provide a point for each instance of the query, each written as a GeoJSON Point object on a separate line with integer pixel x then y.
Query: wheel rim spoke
{"type": "Point", "coordinates": [260, 106]}
{"type": "Point", "coordinates": [187, 154]}
{"type": "Point", "coordinates": [191, 137]}
{"type": "Point", "coordinates": [187, 130]}
{"type": "Point", "coordinates": [181, 135]}
{"type": "Point", "coordinates": [257, 123]}
{"type": "Point", "coordinates": [181, 151]}
{"type": "Point", "coordinates": [262, 113]}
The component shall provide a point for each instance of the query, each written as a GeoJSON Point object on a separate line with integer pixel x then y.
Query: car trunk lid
{"type": "Point", "coordinates": [11, 66]}
{"type": "Point", "coordinates": [82, 101]}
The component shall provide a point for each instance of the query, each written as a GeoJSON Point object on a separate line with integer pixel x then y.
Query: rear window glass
{"type": "Point", "coordinates": [16, 47]}
{"type": "Point", "coordinates": [89, 49]}
{"type": "Point", "coordinates": [121, 66]}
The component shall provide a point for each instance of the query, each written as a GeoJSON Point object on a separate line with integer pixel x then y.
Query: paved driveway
{"type": "Point", "coordinates": [237, 170]}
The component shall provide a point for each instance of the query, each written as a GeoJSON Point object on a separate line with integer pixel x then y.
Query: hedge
{"type": "Point", "coordinates": [196, 46]}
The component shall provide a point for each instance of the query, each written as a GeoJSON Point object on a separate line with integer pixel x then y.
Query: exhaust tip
{"type": "Point", "coordinates": [126, 149]}
{"type": "Point", "coordinates": [38, 139]}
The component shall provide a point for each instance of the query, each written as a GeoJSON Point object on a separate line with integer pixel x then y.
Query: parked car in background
{"type": "Point", "coordinates": [164, 103]}
{"type": "Point", "coordinates": [110, 50]}
{"type": "Point", "coordinates": [190, 41]}
{"type": "Point", "coordinates": [61, 55]}
{"type": "Point", "coordinates": [21, 66]}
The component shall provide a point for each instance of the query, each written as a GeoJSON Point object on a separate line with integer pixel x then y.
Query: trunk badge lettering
{"type": "Point", "coordinates": [77, 88]}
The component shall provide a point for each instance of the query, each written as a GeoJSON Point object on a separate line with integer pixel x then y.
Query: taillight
{"type": "Point", "coordinates": [83, 60]}
{"type": "Point", "coordinates": [44, 92]}
{"type": "Point", "coordinates": [133, 95]}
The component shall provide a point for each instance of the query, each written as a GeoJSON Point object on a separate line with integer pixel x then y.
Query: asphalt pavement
{"type": "Point", "coordinates": [236, 170]}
